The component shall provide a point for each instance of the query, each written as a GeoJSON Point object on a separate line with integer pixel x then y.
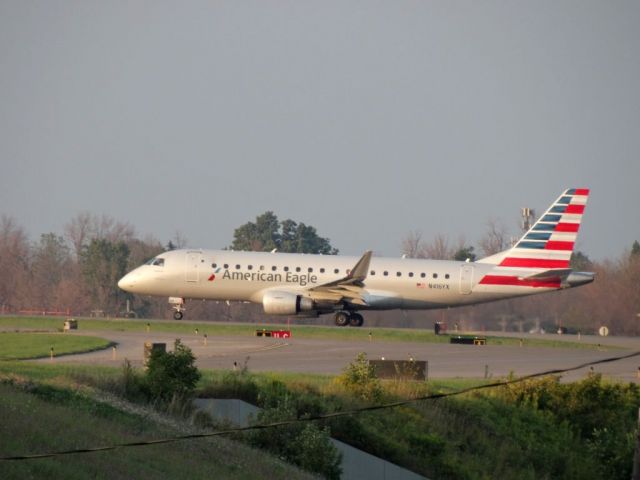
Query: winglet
{"type": "Point", "coordinates": [356, 275]}
{"type": "Point", "coordinates": [359, 272]}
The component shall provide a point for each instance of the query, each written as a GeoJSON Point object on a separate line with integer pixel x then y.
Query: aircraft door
{"type": "Point", "coordinates": [466, 279]}
{"type": "Point", "coordinates": [192, 266]}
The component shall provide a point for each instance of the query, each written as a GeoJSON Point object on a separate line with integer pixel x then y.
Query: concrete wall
{"type": "Point", "coordinates": [237, 412]}
{"type": "Point", "coordinates": [356, 464]}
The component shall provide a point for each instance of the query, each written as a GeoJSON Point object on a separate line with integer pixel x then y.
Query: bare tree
{"type": "Point", "coordinates": [439, 248]}
{"type": "Point", "coordinates": [50, 264]}
{"type": "Point", "coordinates": [14, 264]}
{"type": "Point", "coordinates": [179, 240]}
{"type": "Point", "coordinates": [412, 244]}
{"type": "Point", "coordinates": [108, 228]}
{"type": "Point", "coordinates": [495, 239]}
{"type": "Point", "coordinates": [142, 250]}
{"type": "Point", "coordinates": [77, 231]}
{"type": "Point", "coordinates": [86, 226]}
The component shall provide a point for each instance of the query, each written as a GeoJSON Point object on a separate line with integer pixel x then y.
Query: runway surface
{"type": "Point", "coordinates": [327, 356]}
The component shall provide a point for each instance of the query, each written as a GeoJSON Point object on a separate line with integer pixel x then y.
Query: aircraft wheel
{"type": "Point", "coordinates": [342, 319]}
{"type": "Point", "coordinates": [356, 320]}
{"type": "Point", "coordinates": [177, 315]}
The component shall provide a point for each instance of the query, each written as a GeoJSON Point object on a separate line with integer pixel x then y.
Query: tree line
{"type": "Point", "coordinates": [76, 272]}
{"type": "Point", "coordinates": [79, 270]}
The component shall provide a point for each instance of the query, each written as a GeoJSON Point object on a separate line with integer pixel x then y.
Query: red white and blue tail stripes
{"type": "Point", "coordinates": [546, 246]}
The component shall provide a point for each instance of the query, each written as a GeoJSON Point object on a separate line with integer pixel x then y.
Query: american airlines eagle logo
{"type": "Point", "coordinates": [212, 277]}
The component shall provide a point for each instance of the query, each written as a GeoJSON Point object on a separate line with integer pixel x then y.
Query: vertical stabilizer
{"type": "Point", "coordinates": [548, 245]}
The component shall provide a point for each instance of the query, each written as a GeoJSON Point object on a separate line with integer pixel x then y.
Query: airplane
{"type": "Point", "coordinates": [311, 285]}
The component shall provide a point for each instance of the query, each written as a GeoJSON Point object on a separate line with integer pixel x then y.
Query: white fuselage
{"type": "Point", "coordinates": [292, 284]}
{"type": "Point", "coordinates": [245, 276]}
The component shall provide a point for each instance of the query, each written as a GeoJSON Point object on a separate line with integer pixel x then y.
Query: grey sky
{"type": "Point", "coordinates": [365, 119]}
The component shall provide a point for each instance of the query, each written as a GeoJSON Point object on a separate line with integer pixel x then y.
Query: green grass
{"type": "Point", "coordinates": [299, 331]}
{"type": "Point", "coordinates": [20, 346]}
{"type": "Point", "coordinates": [44, 418]}
{"type": "Point", "coordinates": [323, 382]}
{"type": "Point", "coordinates": [47, 372]}
{"type": "Point", "coordinates": [539, 429]}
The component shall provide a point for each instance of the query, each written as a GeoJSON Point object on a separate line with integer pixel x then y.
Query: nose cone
{"type": "Point", "coordinates": [128, 282]}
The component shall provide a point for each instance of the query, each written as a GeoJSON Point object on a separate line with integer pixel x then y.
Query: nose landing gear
{"type": "Point", "coordinates": [178, 306]}
{"type": "Point", "coordinates": [344, 318]}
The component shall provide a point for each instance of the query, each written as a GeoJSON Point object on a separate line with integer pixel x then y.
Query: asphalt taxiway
{"type": "Point", "coordinates": [329, 356]}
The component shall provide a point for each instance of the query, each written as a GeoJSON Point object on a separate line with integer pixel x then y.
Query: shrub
{"type": "Point", "coordinates": [304, 444]}
{"type": "Point", "coordinates": [601, 414]}
{"type": "Point", "coordinates": [359, 378]}
{"type": "Point", "coordinates": [232, 385]}
{"type": "Point", "coordinates": [132, 385]}
{"type": "Point", "coordinates": [172, 374]}
{"type": "Point", "coordinates": [316, 453]}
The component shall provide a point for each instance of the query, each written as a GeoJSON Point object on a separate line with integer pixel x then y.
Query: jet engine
{"type": "Point", "coordinates": [286, 303]}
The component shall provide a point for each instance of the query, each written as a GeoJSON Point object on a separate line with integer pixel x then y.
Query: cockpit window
{"type": "Point", "coordinates": [158, 262]}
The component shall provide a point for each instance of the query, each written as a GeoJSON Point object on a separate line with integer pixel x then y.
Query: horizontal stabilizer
{"type": "Point", "coordinates": [552, 274]}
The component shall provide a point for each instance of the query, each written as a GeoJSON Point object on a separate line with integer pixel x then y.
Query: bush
{"type": "Point", "coordinates": [132, 385]}
{"type": "Point", "coordinates": [232, 385]}
{"type": "Point", "coordinates": [316, 453]}
{"type": "Point", "coordinates": [359, 378]}
{"type": "Point", "coordinates": [172, 374]}
{"type": "Point", "coordinates": [601, 414]}
{"type": "Point", "coordinates": [304, 444]}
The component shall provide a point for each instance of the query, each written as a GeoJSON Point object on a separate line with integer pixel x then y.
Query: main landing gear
{"type": "Point", "coordinates": [178, 306]}
{"type": "Point", "coordinates": [344, 318]}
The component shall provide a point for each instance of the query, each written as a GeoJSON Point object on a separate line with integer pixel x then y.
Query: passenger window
{"type": "Point", "coordinates": [336, 270]}
{"type": "Point", "coordinates": [385, 273]}
{"type": "Point", "coordinates": [226, 265]}
{"type": "Point", "coordinates": [237, 267]}
{"type": "Point", "coordinates": [322, 270]}
{"type": "Point", "coordinates": [310, 269]}
{"type": "Point", "coordinates": [297, 269]}
{"type": "Point", "coordinates": [274, 268]}
{"type": "Point", "coordinates": [286, 269]}
{"type": "Point", "coordinates": [250, 267]}
{"type": "Point", "coordinates": [446, 276]}
{"type": "Point", "coordinates": [261, 267]}
{"type": "Point", "coordinates": [411, 274]}
{"type": "Point", "coordinates": [373, 272]}
{"type": "Point", "coordinates": [213, 265]}
{"type": "Point", "coordinates": [398, 274]}
{"type": "Point", "coordinates": [435, 275]}
{"type": "Point", "coordinates": [422, 275]}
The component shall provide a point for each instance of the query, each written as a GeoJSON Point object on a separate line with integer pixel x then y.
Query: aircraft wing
{"type": "Point", "coordinates": [346, 289]}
